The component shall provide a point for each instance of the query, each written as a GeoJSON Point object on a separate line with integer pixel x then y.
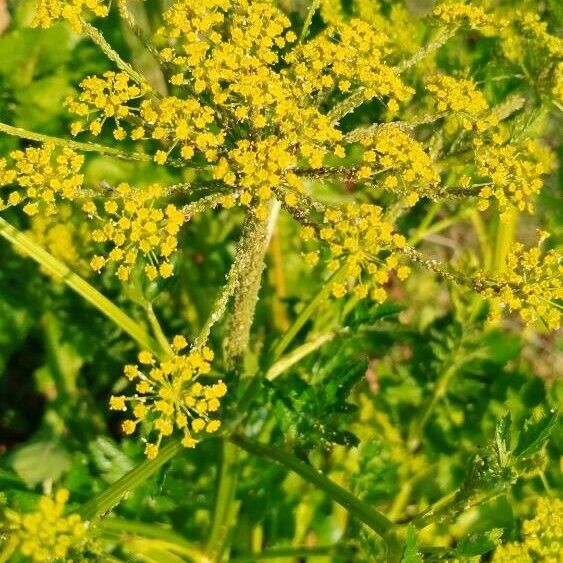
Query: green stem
{"type": "Point", "coordinates": [107, 499]}
{"type": "Point", "coordinates": [298, 354]}
{"type": "Point", "coordinates": [306, 313]}
{"type": "Point", "coordinates": [157, 329]}
{"type": "Point", "coordinates": [60, 270]}
{"type": "Point", "coordinates": [482, 237]}
{"type": "Point", "coordinates": [225, 507]}
{"type": "Point", "coordinates": [125, 529]}
{"type": "Point", "coordinates": [506, 231]}
{"type": "Point", "coordinates": [251, 252]}
{"type": "Point", "coordinates": [308, 19]}
{"type": "Point", "coordinates": [440, 390]}
{"type": "Point", "coordinates": [95, 35]}
{"type": "Point", "coordinates": [85, 147]}
{"type": "Point", "coordinates": [371, 517]}
{"type": "Point", "coordinates": [247, 274]}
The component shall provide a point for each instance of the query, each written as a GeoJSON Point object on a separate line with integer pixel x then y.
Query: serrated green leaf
{"type": "Point", "coordinates": [534, 435]}
{"type": "Point", "coordinates": [411, 553]}
{"type": "Point", "coordinates": [478, 544]}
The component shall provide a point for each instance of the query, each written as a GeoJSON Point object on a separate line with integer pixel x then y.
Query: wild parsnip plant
{"type": "Point", "coordinates": [321, 242]}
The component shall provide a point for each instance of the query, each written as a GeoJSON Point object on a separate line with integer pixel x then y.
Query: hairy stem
{"type": "Point", "coordinates": [309, 18]}
{"type": "Point", "coordinates": [84, 147]}
{"type": "Point", "coordinates": [95, 35]}
{"type": "Point", "coordinates": [251, 252]}
{"type": "Point", "coordinates": [246, 273]}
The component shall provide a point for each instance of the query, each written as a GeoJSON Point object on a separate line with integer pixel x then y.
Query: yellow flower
{"type": "Point", "coordinates": [49, 11]}
{"type": "Point", "coordinates": [512, 173]}
{"type": "Point", "coordinates": [138, 226]}
{"type": "Point", "coordinates": [402, 159]}
{"type": "Point", "coordinates": [529, 284]}
{"type": "Point", "coordinates": [45, 175]}
{"type": "Point", "coordinates": [358, 236]}
{"type": "Point", "coordinates": [460, 13]}
{"type": "Point", "coordinates": [462, 98]}
{"type": "Point", "coordinates": [103, 98]}
{"type": "Point", "coordinates": [46, 534]}
{"type": "Point", "coordinates": [541, 536]}
{"type": "Point", "coordinates": [170, 396]}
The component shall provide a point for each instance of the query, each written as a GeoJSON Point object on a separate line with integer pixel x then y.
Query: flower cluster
{"type": "Point", "coordinates": [257, 168]}
{"type": "Point", "coordinates": [459, 13]}
{"type": "Point", "coordinates": [63, 237]}
{"type": "Point", "coordinates": [398, 23]}
{"type": "Point", "coordinates": [461, 97]}
{"type": "Point", "coordinates": [218, 38]}
{"type": "Point", "coordinates": [170, 396]}
{"type": "Point", "coordinates": [512, 172]}
{"type": "Point", "coordinates": [534, 30]}
{"type": "Point", "coordinates": [541, 536]}
{"type": "Point", "coordinates": [530, 285]}
{"type": "Point", "coordinates": [401, 160]}
{"type": "Point", "coordinates": [183, 123]}
{"type": "Point", "coordinates": [528, 43]}
{"type": "Point", "coordinates": [103, 98]}
{"type": "Point", "coordinates": [361, 244]}
{"type": "Point", "coordinates": [137, 226]}
{"type": "Point", "coordinates": [233, 64]}
{"type": "Point", "coordinates": [46, 534]}
{"type": "Point", "coordinates": [45, 173]}
{"type": "Point", "coordinates": [49, 12]}
{"type": "Point", "coordinates": [349, 58]}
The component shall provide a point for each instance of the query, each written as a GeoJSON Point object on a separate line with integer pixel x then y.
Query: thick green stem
{"type": "Point", "coordinates": [107, 499]}
{"type": "Point", "coordinates": [371, 517]}
{"type": "Point", "coordinates": [61, 271]}
{"type": "Point", "coordinates": [251, 253]}
{"type": "Point", "coordinates": [247, 274]}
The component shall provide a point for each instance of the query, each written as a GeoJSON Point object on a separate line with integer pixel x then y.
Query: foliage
{"type": "Point", "coordinates": [312, 248]}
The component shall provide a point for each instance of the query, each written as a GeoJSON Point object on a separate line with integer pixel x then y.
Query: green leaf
{"type": "Point", "coordinates": [478, 544]}
{"type": "Point", "coordinates": [40, 462]}
{"type": "Point", "coordinates": [535, 433]}
{"type": "Point", "coordinates": [411, 553]}
{"type": "Point", "coordinates": [502, 439]}
{"type": "Point", "coordinates": [340, 384]}
{"type": "Point", "coordinates": [109, 459]}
